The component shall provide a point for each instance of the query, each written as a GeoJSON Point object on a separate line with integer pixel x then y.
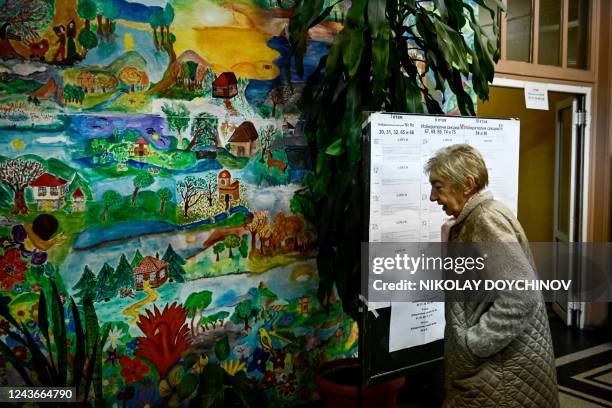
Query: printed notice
{"type": "Point", "coordinates": [415, 324]}
{"type": "Point", "coordinates": [536, 96]}
{"type": "Point", "coordinates": [400, 209]}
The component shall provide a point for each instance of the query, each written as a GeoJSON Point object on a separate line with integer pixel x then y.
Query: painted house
{"type": "Point", "coordinates": [228, 190]}
{"type": "Point", "coordinates": [150, 269]}
{"type": "Point", "coordinates": [142, 147]}
{"type": "Point", "coordinates": [49, 192]}
{"type": "Point", "coordinates": [225, 86]}
{"type": "Point", "coordinates": [244, 142]}
{"type": "Point", "coordinates": [78, 200]}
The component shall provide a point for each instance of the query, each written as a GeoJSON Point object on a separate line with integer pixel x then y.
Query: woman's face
{"type": "Point", "coordinates": [452, 201]}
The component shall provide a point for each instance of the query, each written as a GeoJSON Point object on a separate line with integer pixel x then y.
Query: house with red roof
{"type": "Point", "coordinates": [142, 147]}
{"type": "Point", "coordinates": [49, 191]}
{"type": "Point", "coordinates": [79, 200]}
{"type": "Point", "coordinates": [225, 86]}
{"type": "Point", "coordinates": [150, 269]}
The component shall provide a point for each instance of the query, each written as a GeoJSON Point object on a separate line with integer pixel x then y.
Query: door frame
{"type": "Point", "coordinates": [585, 158]}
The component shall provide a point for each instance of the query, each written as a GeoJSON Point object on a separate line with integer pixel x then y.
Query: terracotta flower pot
{"type": "Point", "coordinates": [337, 384]}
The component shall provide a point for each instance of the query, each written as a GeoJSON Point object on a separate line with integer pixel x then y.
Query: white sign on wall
{"type": "Point", "coordinates": [536, 96]}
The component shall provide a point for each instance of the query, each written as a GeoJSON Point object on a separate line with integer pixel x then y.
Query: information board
{"type": "Point", "coordinates": [404, 335]}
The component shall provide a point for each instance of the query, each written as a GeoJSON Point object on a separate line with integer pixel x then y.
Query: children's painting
{"type": "Point", "coordinates": [154, 249]}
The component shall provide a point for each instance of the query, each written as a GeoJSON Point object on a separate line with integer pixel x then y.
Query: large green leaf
{"type": "Point", "coordinates": [335, 148]}
{"type": "Point", "coordinates": [19, 365]}
{"type": "Point", "coordinates": [222, 349]}
{"type": "Point", "coordinates": [453, 48]}
{"type": "Point", "coordinates": [59, 335]}
{"type": "Point", "coordinates": [352, 42]}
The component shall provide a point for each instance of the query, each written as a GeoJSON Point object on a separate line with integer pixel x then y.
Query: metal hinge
{"type": "Point", "coordinates": [580, 118]}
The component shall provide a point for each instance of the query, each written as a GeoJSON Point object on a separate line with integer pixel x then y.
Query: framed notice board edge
{"type": "Point", "coordinates": [377, 363]}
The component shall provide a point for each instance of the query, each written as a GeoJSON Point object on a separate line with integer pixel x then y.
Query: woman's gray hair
{"type": "Point", "coordinates": [455, 163]}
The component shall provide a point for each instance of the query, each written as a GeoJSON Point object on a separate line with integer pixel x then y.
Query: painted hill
{"type": "Point", "coordinates": [19, 86]}
{"type": "Point", "coordinates": [174, 70]}
{"type": "Point", "coordinates": [191, 56]}
{"type": "Point", "coordinates": [129, 59]}
{"type": "Point", "coordinates": [135, 11]}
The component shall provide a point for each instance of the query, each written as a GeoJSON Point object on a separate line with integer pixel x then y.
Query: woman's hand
{"type": "Point", "coordinates": [446, 227]}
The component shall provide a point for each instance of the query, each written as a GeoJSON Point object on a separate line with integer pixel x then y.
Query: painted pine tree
{"type": "Point", "coordinates": [175, 264]}
{"type": "Point", "coordinates": [137, 259]}
{"type": "Point", "coordinates": [123, 277]}
{"type": "Point", "coordinates": [105, 288]}
{"type": "Point", "coordinates": [86, 286]}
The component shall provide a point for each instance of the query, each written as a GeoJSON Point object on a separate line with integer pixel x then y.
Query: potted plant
{"type": "Point", "coordinates": [378, 61]}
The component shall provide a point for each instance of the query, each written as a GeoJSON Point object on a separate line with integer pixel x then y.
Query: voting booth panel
{"type": "Point", "coordinates": [397, 337]}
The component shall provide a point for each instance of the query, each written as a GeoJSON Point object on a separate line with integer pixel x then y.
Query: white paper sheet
{"type": "Point", "coordinates": [415, 324]}
{"type": "Point", "coordinates": [400, 210]}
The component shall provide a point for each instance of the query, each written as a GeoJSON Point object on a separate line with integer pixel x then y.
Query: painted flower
{"type": "Point", "coordinates": [287, 387]}
{"type": "Point", "coordinates": [18, 289]}
{"type": "Point", "coordinates": [5, 327]}
{"type": "Point", "coordinates": [39, 257]}
{"type": "Point", "coordinates": [35, 287]}
{"type": "Point", "coordinates": [258, 361]}
{"type": "Point", "coordinates": [202, 362]}
{"type": "Point", "coordinates": [168, 386]}
{"type": "Point", "coordinates": [132, 344]}
{"type": "Point", "coordinates": [34, 311]}
{"type": "Point", "coordinates": [278, 360]}
{"type": "Point", "coordinates": [19, 233]}
{"type": "Point", "coordinates": [269, 379]}
{"type": "Point", "coordinates": [114, 338]}
{"type": "Point", "coordinates": [21, 312]}
{"type": "Point", "coordinates": [112, 356]}
{"type": "Point", "coordinates": [20, 352]}
{"type": "Point", "coordinates": [12, 268]}
{"type": "Point", "coordinates": [165, 336]}
{"type": "Point", "coordinates": [133, 370]}
{"type": "Point", "coordinates": [232, 367]}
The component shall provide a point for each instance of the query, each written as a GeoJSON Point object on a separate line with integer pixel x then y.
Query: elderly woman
{"type": "Point", "coordinates": [498, 352]}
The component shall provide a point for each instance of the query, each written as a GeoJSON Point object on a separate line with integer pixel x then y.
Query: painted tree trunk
{"type": "Point", "coordinates": [99, 18]}
{"type": "Point", "coordinates": [87, 24]}
{"type": "Point", "coordinates": [163, 39]}
{"type": "Point", "coordinates": [185, 210]}
{"type": "Point", "coordinates": [134, 194]}
{"type": "Point", "coordinates": [180, 140]}
{"type": "Point", "coordinates": [192, 323]}
{"type": "Point", "coordinates": [155, 39]}
{"type": "Point", "coordinates": [104, 213]}
{"type": "Point", "coordinates": [230, 253]}
{"type": "Point", "coordinates": [253, 241]}
{"type": "Point", "coordinates": [19, 204]}
{"type": "Point", "coordinates": [163, 206]}
{"type": "Point", "coordinates": [191, 144]}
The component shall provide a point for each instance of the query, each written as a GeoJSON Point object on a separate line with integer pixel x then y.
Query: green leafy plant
{"type": "Point", "coordinates": [220, 388]}
{"type": "Point", "coordinates": [379, 61]}
{"type": "Point", "coordinates": [50, 368]}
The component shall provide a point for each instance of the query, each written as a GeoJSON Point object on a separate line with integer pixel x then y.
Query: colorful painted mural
{"type": "Point", "coordinates": [153, 240]}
